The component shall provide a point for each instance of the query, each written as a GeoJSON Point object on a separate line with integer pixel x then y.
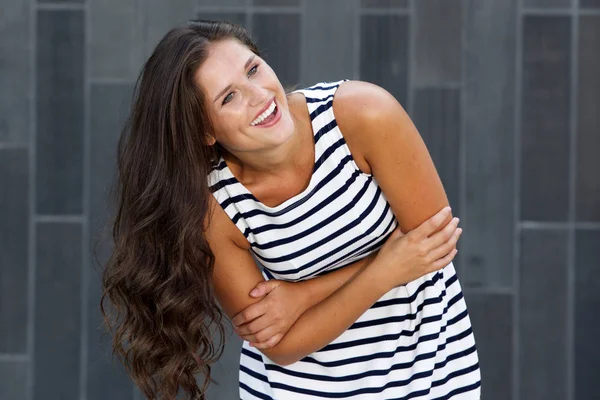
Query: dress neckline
{"type": "Point", "coordinates": [294, 198]}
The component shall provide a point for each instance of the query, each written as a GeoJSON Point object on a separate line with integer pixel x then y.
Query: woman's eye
{"type": "Point", "coordinates": [229, 96]}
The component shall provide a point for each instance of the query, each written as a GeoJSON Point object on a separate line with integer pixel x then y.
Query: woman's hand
{"type": "Point", "coordinates": [404, 258]}
{"type": "Point", "coordinates": [264, 323]}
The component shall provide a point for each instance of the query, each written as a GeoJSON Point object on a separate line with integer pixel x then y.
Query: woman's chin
{"type": "Point", "coordinates": [280, 132]}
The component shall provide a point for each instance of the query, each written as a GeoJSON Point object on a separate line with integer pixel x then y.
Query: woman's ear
{"type": "Point", "coordinates": [210, 140]}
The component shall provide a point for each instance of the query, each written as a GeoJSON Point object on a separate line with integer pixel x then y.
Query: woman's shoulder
{"type": "Point", "coordinates": [359, 101]}
{"type": "Point", "coordinates": [365, 114]}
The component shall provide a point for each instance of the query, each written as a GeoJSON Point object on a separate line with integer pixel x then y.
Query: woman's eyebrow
{"type": "Point", "coordinates": [222, 92]}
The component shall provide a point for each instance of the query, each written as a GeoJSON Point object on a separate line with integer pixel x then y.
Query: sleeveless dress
{"type": "Point", "coordinates": [414, 343]}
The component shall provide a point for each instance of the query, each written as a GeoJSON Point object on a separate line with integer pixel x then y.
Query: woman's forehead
{"type": "Point", "coordinates": [225, 61]}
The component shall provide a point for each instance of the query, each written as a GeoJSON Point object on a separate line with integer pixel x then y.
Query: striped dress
{"type": "Point", "coordinates": [414, 343]}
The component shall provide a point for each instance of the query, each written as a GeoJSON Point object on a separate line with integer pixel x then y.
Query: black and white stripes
{"type": "Point", "coordinates": [415, 342]}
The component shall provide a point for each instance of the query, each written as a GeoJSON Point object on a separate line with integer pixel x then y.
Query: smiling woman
{"type": "Point", "coordinates": [219, 168]}
{"type": "Point", "coordinates": [247, 92]}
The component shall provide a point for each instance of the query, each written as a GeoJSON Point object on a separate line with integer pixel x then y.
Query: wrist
{"type": "Point", "coordinates": [305, 295]}
{"type": "Point", "coordinates": [379, 276]}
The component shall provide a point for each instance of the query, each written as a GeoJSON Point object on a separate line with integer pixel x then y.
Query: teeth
{"type": "Point", "coordinates": [264, 115]}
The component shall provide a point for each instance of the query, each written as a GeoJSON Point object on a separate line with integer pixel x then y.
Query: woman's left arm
{"type": "Point", "coordinates": [385, 142]}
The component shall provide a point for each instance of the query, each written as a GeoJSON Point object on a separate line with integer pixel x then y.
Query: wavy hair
{"type": "Point", "coordinates": [158, 299]}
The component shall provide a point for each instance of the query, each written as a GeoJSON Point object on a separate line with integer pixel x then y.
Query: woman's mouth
{"type": "Point", "coordinates": [270, 117]}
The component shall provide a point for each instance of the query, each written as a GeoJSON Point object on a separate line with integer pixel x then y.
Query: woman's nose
{"type": "Point", "coordinates": [259, 95]}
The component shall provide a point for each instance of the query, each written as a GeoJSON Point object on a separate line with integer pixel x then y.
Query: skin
{"type": "Point", "coordinates": [276, 163]}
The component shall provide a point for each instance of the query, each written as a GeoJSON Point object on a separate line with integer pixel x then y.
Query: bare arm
{"type": "Point", "coordinates": [318, 289]}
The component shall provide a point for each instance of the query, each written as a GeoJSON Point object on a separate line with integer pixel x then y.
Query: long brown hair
{"type": "Point", "coordinates": [162, 311]}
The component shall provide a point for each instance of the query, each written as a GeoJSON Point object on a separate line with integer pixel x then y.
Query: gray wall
{"type": "Point", "coordinates": [505, 94]}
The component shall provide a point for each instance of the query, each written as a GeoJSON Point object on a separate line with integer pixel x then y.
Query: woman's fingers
{"type": "Point", "coordinates": [253, 327]}
{"type": "Point", "coordinates": [273, 341]}
{"type": "Point", "coordinates": [261, 336]}
{"type": "Point", "coordinates": [248, 314]}
{"type": "Point", "coordinates": [442, 262]}
{"type": "Point", "coordinates": [430, 226]}
{"type": "Point", "coordinates": [442, 236]}
{"type": "Point", "coordinates": [446, 247]}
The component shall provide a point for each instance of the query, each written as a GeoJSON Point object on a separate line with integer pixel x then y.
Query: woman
{"type": "Point", "coordinates": [219, 167]}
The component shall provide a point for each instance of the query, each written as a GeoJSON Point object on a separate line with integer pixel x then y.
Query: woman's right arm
{"type": "Point", "coordinates": [400, 260]}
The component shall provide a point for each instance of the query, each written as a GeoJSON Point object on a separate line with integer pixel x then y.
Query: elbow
{"type": "Point", "coordinates": [282, 361]}
{"type": "Point", "coordinates": [281, 356]}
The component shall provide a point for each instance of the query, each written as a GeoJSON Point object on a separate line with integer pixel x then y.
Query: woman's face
{"type": "Point", "coordinates": [239, 86]}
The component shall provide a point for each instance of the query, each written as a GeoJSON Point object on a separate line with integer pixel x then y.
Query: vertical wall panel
{"type": "Point", "coordinates": [14, 239]}
{"type": "Point", "coordinates": [587, 325]}
{"type": "Point", "coordinates": [109, 106]}
{"type": "Point", "coordinates": [491, 316]}
{"type": "Point", "coordinates": [385, 39]}
{"type": "Point", "coordinates": [57, 311]}
{"type": "Point", "coordinates": [60, 65]}
{"type": "Point", "coordinates": [489, 115]}
{"type": "Point", "coordinates": [161, 16]}
{"type": "Point", "coordinates": [329, 50]}
{"type": "Point", "coordinates": [278, 38]}
{"type": "Point", "coordinates": [545, 118]}
{"type": "Point", "coordinates": [115, 42]}
{"type": "Point", "coordinates": [13, 379]}
{"type": "Point", "coordinates": [543, 316]}
{"type": "Point", "coordinates": [438, 42]}
{"type": "Point", "coordinates": [437, 117]}
{"type": "Point", "coordinates": [588, 120]}
{"type": "Point", "coordinates": [15, 64]}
